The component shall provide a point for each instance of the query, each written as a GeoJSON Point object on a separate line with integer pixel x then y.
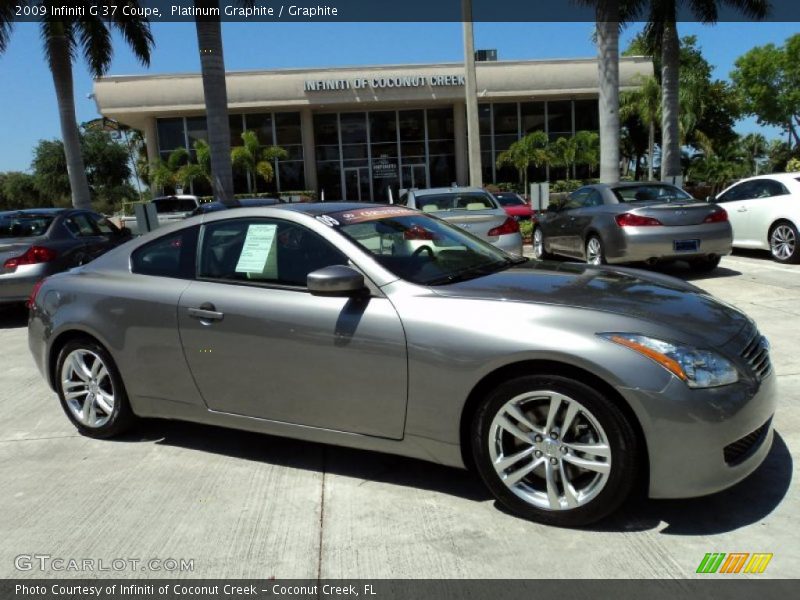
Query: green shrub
{"type": "Point", "coordinates": [526, 230]}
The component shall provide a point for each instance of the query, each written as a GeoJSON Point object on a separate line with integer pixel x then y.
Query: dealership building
{"type": "Point", "coordinates": [357, 132]}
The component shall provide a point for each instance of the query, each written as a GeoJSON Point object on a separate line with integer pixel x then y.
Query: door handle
{"type": "Point", "coordinates": [206, 312]}
{"type": "Point", "coordinates": [741, 210]}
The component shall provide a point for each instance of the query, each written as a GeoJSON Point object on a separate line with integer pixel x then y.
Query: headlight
{"type": "Point", "coordinates": [698, 368]}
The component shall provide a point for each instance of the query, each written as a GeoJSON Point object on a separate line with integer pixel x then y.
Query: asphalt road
{"type": "Point", "coordinates": [245, 505]}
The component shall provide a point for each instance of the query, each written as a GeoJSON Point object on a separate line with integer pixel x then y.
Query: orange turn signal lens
{"type": "Point", "coordinates": [665, 361]}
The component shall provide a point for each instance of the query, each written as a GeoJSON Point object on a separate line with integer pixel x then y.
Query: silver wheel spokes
{"type": "Point", "coordinates": [549, 450]}
{"type": "Point", "coordinates": [538, 243]}
{"type": "Point", "coordinates": [783, 242]}
{"type": "Point", "coordinates": [594, 252]}
{"type": "Point", "coordinates": [87, 387]}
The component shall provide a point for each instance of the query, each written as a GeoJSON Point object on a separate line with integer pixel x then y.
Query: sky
{"type": "Point", "coordinates": [28, 110]}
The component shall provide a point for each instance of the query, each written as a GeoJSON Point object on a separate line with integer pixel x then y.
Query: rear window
{"type": "Point", "coordinates": [174, 205]}
{"type": "Point", "coordinates": [21, 226]}
{"type": "Point", "coordinates": [509, 200]}
{"type": "Point", "coordinates": [455, 201]}
{"type": "Point", "coordinates": [650, 193]}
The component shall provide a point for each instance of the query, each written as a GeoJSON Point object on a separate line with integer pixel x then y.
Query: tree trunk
{"type": "Point", "coordinates": [670, 129]}
{"type": "Point", "coordinates": [61, 69]}
{"type": "Point", "coordinates": [651, 144]}
{"type": "Point", "coordinates": [608, 70]}
{"type": "Point", "coordinates": [212, 64]}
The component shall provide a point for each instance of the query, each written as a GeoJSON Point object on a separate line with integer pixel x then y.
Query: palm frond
{"type": "Point", "coordinates": [94, 41]}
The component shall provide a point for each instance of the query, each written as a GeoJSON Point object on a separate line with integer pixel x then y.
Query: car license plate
{"type": "Point", "coordinates": [686, 245]}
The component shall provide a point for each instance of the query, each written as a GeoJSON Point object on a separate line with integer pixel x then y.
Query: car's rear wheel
{"type": "Point", "coordinates": [783, 242]}
{"type": "Point", "coordinates": [91, 391]}
{"type": "Point", "coordinates": [539, 250]}
{"type": "Point", "coordinates": [595, 253]}
{"type": "Point", "coordinates": [554, 450]}
{"type": "Point", "coordinates": [704, 264]}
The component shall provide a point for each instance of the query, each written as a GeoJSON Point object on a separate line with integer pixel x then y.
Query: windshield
{"type": "Point", "coordinates": [20, 226]}
{"type": "Point", "coordinates": [650, 193]}
{"type": "Point", "coordinates": [455, 201]}
{"type": "Point", "coordinates": [174, 205]}
{"type": "Point", "coordinates": [509, 200]}
{"type": "Point", "coordinates": [417, 247]}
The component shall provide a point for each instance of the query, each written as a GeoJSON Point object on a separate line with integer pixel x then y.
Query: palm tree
{"type": "Point", "coordinates": [645, 104]}
{"type": "Point", "coordinates": [254, 159]}
{"type": "Point", "coordinates": [584, 148]}
{"type": "Point", "coordinates": [65, 38]}
{"type": "Point", "coordinates": [755, 146]}
{"type": "Point", "coordinates": [662, 34]}
{"type": "Point", "coordinates": [530, 150]}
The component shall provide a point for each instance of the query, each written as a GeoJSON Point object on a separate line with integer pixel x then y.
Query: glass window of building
{"type": "Point", "coordinates": [261, 123]}
{"type": "Point", "coordinates": [287, 129]}
{"type": "Point", "coordinates": [170, 135]}
{"type": "Point", "coordinates": [196, 129]}
{"type": "Point", "coordinates": [236, 124]}
{"type": "Point", "coordinates": [559, 119]}
{"type": "Point", "coordinates": [532, 115]}
{"type": "Point", "coordinates": [587, 116]}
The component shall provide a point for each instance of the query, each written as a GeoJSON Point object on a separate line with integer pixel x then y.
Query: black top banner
{"type": "Point", "coordinates": [157, 11]}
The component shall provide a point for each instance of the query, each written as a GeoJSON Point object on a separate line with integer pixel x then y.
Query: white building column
{"type": "Point", "coordinates": [151, 143]}
{"type": "Point", "coordinates": [460, 131]}
{"type": "Point", "coordinates": [309, 152]}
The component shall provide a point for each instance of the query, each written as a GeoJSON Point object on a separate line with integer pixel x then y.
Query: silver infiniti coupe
{"type": "Point", "coordinates": [385, 328]}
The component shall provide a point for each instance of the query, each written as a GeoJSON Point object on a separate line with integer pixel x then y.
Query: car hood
{"type": "Point", "coordinates": [653, 297]}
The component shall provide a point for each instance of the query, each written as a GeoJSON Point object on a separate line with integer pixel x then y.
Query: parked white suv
{"type": "Point", "coordinates": [764, 212]}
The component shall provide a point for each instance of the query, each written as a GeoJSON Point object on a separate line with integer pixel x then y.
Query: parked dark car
{"type": "Point", "coordinates": [634, 222]}
{"type": "Point", "coordinates": [38, 242]}
{"type": "Point", "coordinates": [208, 207]}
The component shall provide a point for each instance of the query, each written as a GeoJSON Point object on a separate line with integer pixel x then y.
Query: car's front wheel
{"type": "Point", "coordinates": [555, 450]}
{"type": "Point", "coordinates": [783, 242]}
{"type": "Point", "coordinates": [91, 390]}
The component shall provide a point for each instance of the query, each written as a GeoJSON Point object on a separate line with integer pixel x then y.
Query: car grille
{"type": "Point", "coordinates": [756, 353]}
{"type": "Point", "coordinates": [743, 448]}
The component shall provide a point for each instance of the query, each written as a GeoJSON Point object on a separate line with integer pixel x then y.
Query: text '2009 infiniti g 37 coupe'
{"type": "Point", "coordinates": [384, 328]}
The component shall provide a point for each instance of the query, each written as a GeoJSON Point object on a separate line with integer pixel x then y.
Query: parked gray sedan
{"type": "Point", "coordinates": [380, 327]}
{"type": "Point", "coordinates": [470, 208]}
{"type": "Point", "coordinates": [38, 242]}
{"type": "Point", "coordinates": [632, 222]}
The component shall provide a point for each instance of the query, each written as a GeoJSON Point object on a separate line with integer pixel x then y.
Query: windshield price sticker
{"type": "Point", "coordinates": [361, 215]}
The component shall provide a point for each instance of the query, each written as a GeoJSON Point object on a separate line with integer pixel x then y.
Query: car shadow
{"type": "Point", "coordinates": [682, 270]}
{"type": "Point", "coordinates": [747, 502]}
{"type": "Point", "coordinates": [757, 254]}
{"type": "Point", "coordinates": [13, 316]}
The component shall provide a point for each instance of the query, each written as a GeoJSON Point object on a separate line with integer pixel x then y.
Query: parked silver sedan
{"type": "Point", "coordinates": [634, 222]}
{"type": "Point", "coordinates": [380, 327]}
{"type": "Point", "coordinates": [470, 208]}
{"type": "Point", "coordinates": [38, 242]}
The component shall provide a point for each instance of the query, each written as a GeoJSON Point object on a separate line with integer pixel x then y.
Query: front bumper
{"type": "Point", "coordinates": [17, 286]}
{"type": "Point", "coordinates": [688, 432]}
{"type": "Point", "coordinates": [634, 244]}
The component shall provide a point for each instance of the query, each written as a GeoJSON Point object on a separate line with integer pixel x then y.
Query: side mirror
{"type": "Point", "coordinates": [336, 280]}
{"type": "Point", "coordinates": [125, 233]}
{"type": "Point", "coordinates": [709, 198]}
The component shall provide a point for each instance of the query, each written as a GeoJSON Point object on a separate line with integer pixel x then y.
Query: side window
{"type": "Point", "coordinates": [103, 225]}
{"type": "Point", "coordinates": [264, 251]}
{"type": "Point", "coordinates": [172, 255]}
{"type": "Point", "coordinates": [577, 198]}
{"type": "Point", "coordinates": [403, 201]}
{"type": "Point", "coordinates": [737, 192]}
{"type": "Point", "coordinates": [593, 199]}
{"type": "Point", "coordinates": [771, 188]}
{"type": "Point", "coordinates": [80, 225]}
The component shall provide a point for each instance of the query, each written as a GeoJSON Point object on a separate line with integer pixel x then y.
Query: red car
{"type": "Point", "coordinates": [515, 206]}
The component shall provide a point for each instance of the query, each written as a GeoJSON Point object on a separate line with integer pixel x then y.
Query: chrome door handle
{"type": "Point", "coordinates": [206, 312]}
{"type": "Point", "coordinates": [741, 210]}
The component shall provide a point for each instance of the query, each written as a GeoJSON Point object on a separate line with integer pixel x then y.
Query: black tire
{"type": "Point", "coordinates": [705, 264]}
{"type": "Point", "coordinates": [619, 433]}
{"type": "Point", "coordinates": [595, 239]}
{"type": "Point", "coordinates": [542, 254]}
{"type": "Point", "coordinates": [121, 417]}
{"type": "Point", "coordinates": [784, 243]}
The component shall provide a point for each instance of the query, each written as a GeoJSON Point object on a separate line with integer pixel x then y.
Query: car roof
{"type": "Point", "coordinates": [777, 176]}
{"type": "Point", "coordinates": [32, 212]}
{"type": "Point", "coordinates": [324, 208]}
{"type": "Point", "coordinates": [448, 190]}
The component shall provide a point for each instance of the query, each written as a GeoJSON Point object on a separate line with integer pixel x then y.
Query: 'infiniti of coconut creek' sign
{"type": "Point", "coordinates": [360, 83]}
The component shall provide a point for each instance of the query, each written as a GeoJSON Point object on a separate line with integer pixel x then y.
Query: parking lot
{"type": "Point", "coordinates": [246, 505]}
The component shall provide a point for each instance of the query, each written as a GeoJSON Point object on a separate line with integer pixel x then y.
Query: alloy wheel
{"type": "Point", "coordinates": [550, 450]}
{"type": "Point", "coordinates": [87, 387]}
{"type": "Point", "coordinates": [782, 242]}
{"type": "Point", "coordinates": [594, 252]}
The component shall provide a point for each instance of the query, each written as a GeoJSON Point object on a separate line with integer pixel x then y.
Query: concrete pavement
{"type": "Point", "coordinates": [245, 505]}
